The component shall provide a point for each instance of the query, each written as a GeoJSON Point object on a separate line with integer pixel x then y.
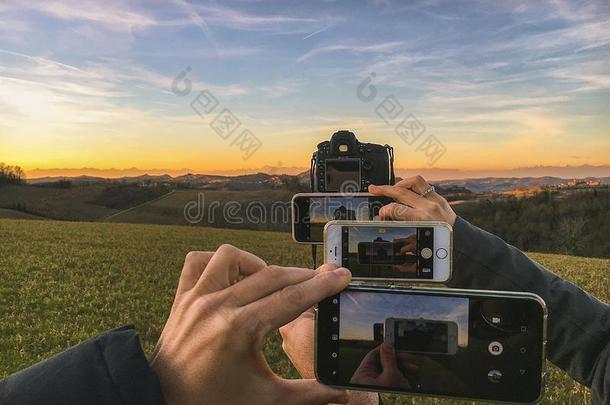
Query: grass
{"type": "Point", "coordinates": [64, 282]}
{"type": "Point", "coordinates": [213, 203]}
{"type": "Point", "coordinates": [141, 205]}
{"type": "Point", "coordinates": [14, 214]}
{"type": "Point", "coordinates": [56, 203]}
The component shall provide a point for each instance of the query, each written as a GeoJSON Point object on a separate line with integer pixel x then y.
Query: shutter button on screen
{"type": "Point", "coordinates": [495, 348]}
{"type": "Point", "coordinates": [441, 253]}
{"type": "Point", "coordinates": [426, 253]}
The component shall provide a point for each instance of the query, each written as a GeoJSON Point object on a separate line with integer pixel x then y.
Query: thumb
{"type": "Point", "coordinates": [387, 356]}
{"type": "Point", "coordinates": [311, 392]}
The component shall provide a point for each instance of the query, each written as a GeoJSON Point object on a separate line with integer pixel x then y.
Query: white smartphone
{"type": "Point", "coordinates": [391, 250]}
{"type": "Point", "coordinates": [421, 335]}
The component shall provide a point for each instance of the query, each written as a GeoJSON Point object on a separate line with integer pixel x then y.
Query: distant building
{"type": "Point", "coordinates": [581, 183]}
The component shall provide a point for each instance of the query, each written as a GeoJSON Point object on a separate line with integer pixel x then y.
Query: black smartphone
{"type": "Point", "coordinates": [469, 344]}
{"type": "Point", "coordinates": [311, 211]}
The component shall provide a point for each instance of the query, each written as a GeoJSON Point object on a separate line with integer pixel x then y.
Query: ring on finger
{"type": "Point", "coordinates": [428, 191]}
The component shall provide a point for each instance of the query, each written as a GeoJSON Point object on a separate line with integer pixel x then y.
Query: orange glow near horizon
{"type": "Point", "coordinates": [79, 92]}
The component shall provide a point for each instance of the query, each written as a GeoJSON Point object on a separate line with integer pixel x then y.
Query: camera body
{"type": "Point", "coordinates": [346, 165]}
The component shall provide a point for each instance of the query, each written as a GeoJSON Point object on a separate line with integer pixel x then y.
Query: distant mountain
{"type": "Point", "coordinates": [74, 179]}
{"type": "Point", "coordinates": [113, 173]}
{"type": "Point", "coordinates": [258, 181]}
{"type": "Point", "coordinates": [501, 184]}
{"type": "Point", "coordinates": [564, 172]}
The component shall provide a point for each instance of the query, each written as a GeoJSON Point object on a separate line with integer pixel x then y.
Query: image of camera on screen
{"type": "Point", "coordinates": [381, 251]}
{"type": "Point", "coordinates": [421, 335]}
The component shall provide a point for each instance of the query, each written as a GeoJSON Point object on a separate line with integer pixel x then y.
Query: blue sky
{"type": "Point", "coordinates": [500, 84]}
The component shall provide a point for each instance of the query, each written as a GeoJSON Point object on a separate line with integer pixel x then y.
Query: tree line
{"type": "Point", "coordinates": [11, 175]}
{"type": "Point", "coordinates": [576, 223]}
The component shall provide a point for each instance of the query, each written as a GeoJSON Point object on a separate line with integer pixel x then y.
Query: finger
{"type": "Point", "coordinates": [303, 321]}
{"type": "Point", "coordinates": [399, 194]}
{"type": "Point", "coordinates": [387, 356]}
{"type": "Point", "coordinates": [407, 249]}
{"type": "Point", "coordinates": [225, 266]}
{"type": "Point", "coordinates": [371, 358]}
{"type": "Point", "coordinates": [267, 281]}
{"type": "Point", "coordinates": [398, 212]}
{"type": "Point", "coordinates": [311, 392]}
{"type": "Point", "coordinates": [326, 267]}
{"type": "Point", "coordinates": [194, 265]}
{"type": "Point", "coordinates": [416, 183]}
{"type": "Point", "coordinates": [323, 268]}
{"type": "Point", "coordinates": [271, 279]}
{"type": "Point", "coordinates": [290, 301]}
{"type": "Point", "coordinates": [407, 361]}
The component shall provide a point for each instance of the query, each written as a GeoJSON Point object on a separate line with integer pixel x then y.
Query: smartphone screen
{"type": "Point", "coordinates": [388, 252]}
{"type": "Point", "coordinates": [312, 211]}
{"type": "Point", "coordinates": [476, 345]}
{"type": "Point", "coordinates": [421, 335]}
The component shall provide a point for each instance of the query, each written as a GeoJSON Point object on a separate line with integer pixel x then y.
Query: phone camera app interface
{"type": "Point", "coordinates": [489, 348]}
{"type": "Point", "coordinates": [388, 252]}
{"type": "Point", "coordinates": [325, 209]}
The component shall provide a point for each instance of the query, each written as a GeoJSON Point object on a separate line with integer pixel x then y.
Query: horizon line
{"type": "Point", "coordinates": [564, 172]}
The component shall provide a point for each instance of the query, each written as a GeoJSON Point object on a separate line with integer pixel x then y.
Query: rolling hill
{"type": "Point", "coordinates": [66, 281]}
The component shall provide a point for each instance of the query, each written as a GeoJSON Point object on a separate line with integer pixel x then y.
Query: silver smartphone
{"type": "Point", "coordinates": [391, 251]}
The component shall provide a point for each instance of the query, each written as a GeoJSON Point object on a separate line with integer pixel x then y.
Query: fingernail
{"type": "Point", "coordinates": [342, 271]}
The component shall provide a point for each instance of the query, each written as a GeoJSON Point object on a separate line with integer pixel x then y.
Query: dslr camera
{"type": "Point", "coordinates": [346, 165]}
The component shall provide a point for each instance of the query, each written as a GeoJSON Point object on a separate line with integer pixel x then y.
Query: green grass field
{"type": "Point", "coordinates": [169, 210]}
{"type": "Point", "coordinates": [63, 282]}
{"type": "Point", "coordinates": [95, 203]}
{"type": "Point", "coordinates": [56, 203]}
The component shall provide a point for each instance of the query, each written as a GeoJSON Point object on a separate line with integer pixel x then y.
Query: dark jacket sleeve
{"type": "Point", "coordinates": [106, 370]}
{"type": "Point", "coordinates": [578, 324]}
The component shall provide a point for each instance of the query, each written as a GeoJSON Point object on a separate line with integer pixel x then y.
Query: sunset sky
{"type": "Point", "coordinates": [499, 84]}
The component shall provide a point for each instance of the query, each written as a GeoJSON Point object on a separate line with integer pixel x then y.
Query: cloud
{"type": "Point", "coordinates": [588, 76]}
{"type": "Point", "coordinates": [357, 49]}
{"type": "Point", "coordinates": [44, 93]}
{"type": "Point", "coordinates": [317, 32]}
{"type": "Point", "coordinates": [242, 20]}
{"type": "Point", "coordinates": [280, 88]}
{"type": "Point", "coordinates": [579, 10]}
{"type": "Point", "coordinates": [112, 15]}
